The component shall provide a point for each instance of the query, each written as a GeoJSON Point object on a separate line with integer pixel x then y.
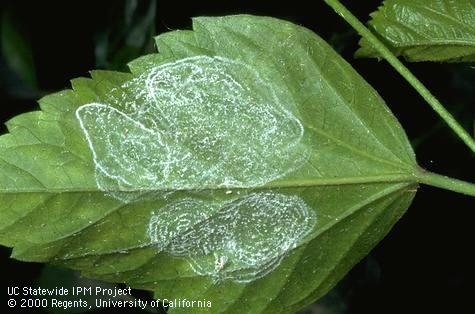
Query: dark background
{"type": "Point", "coordinates": [425, 264]}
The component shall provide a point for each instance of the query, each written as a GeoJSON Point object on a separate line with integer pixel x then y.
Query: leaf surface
{"type": "Point", "coordinates": [246, 164]}
{"type": "Point", "coordinates": [434, 30]}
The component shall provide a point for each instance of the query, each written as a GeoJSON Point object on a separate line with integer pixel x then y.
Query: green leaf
{"type": "Point", "coordinates": [434, 30]}
{"type": "Point", "coordinates": [246, 164]}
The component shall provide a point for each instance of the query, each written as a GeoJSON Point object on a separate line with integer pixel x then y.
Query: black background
{"type": "Point", "coordinates": [424, 265]}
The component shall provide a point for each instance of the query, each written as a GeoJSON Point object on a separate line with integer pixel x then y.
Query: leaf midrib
{"type": "Point", "coordinates": [290, 183]}
{"type": "Point", "coordinates": [436, 42]}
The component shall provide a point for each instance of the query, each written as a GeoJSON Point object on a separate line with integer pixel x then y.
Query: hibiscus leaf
{"type": "Point", "coordinates": [246, 164]}
{"type": "Point", "coordinates": [435, 30]}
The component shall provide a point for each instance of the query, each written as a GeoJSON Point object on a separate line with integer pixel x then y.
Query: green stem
{"type": "Point", "coordinates": [444, 182]}
{"type": "Point", "coordinates": [396, 64]}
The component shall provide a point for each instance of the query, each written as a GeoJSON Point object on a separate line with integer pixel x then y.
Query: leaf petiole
{"type": "Point", "coordinates": [445, 182]}
{"type": "Point", "coordinates": [404, 71]}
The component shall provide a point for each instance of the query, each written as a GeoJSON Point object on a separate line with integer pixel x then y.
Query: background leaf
{"type": "Point", "coordinates": [434, 30]}
{"type": "Point", "coordinates": [16, 50]}
{"type": "Point", "coordinates": [127, 33]}
{"type": "Point", "coordinates": [343, 159]}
